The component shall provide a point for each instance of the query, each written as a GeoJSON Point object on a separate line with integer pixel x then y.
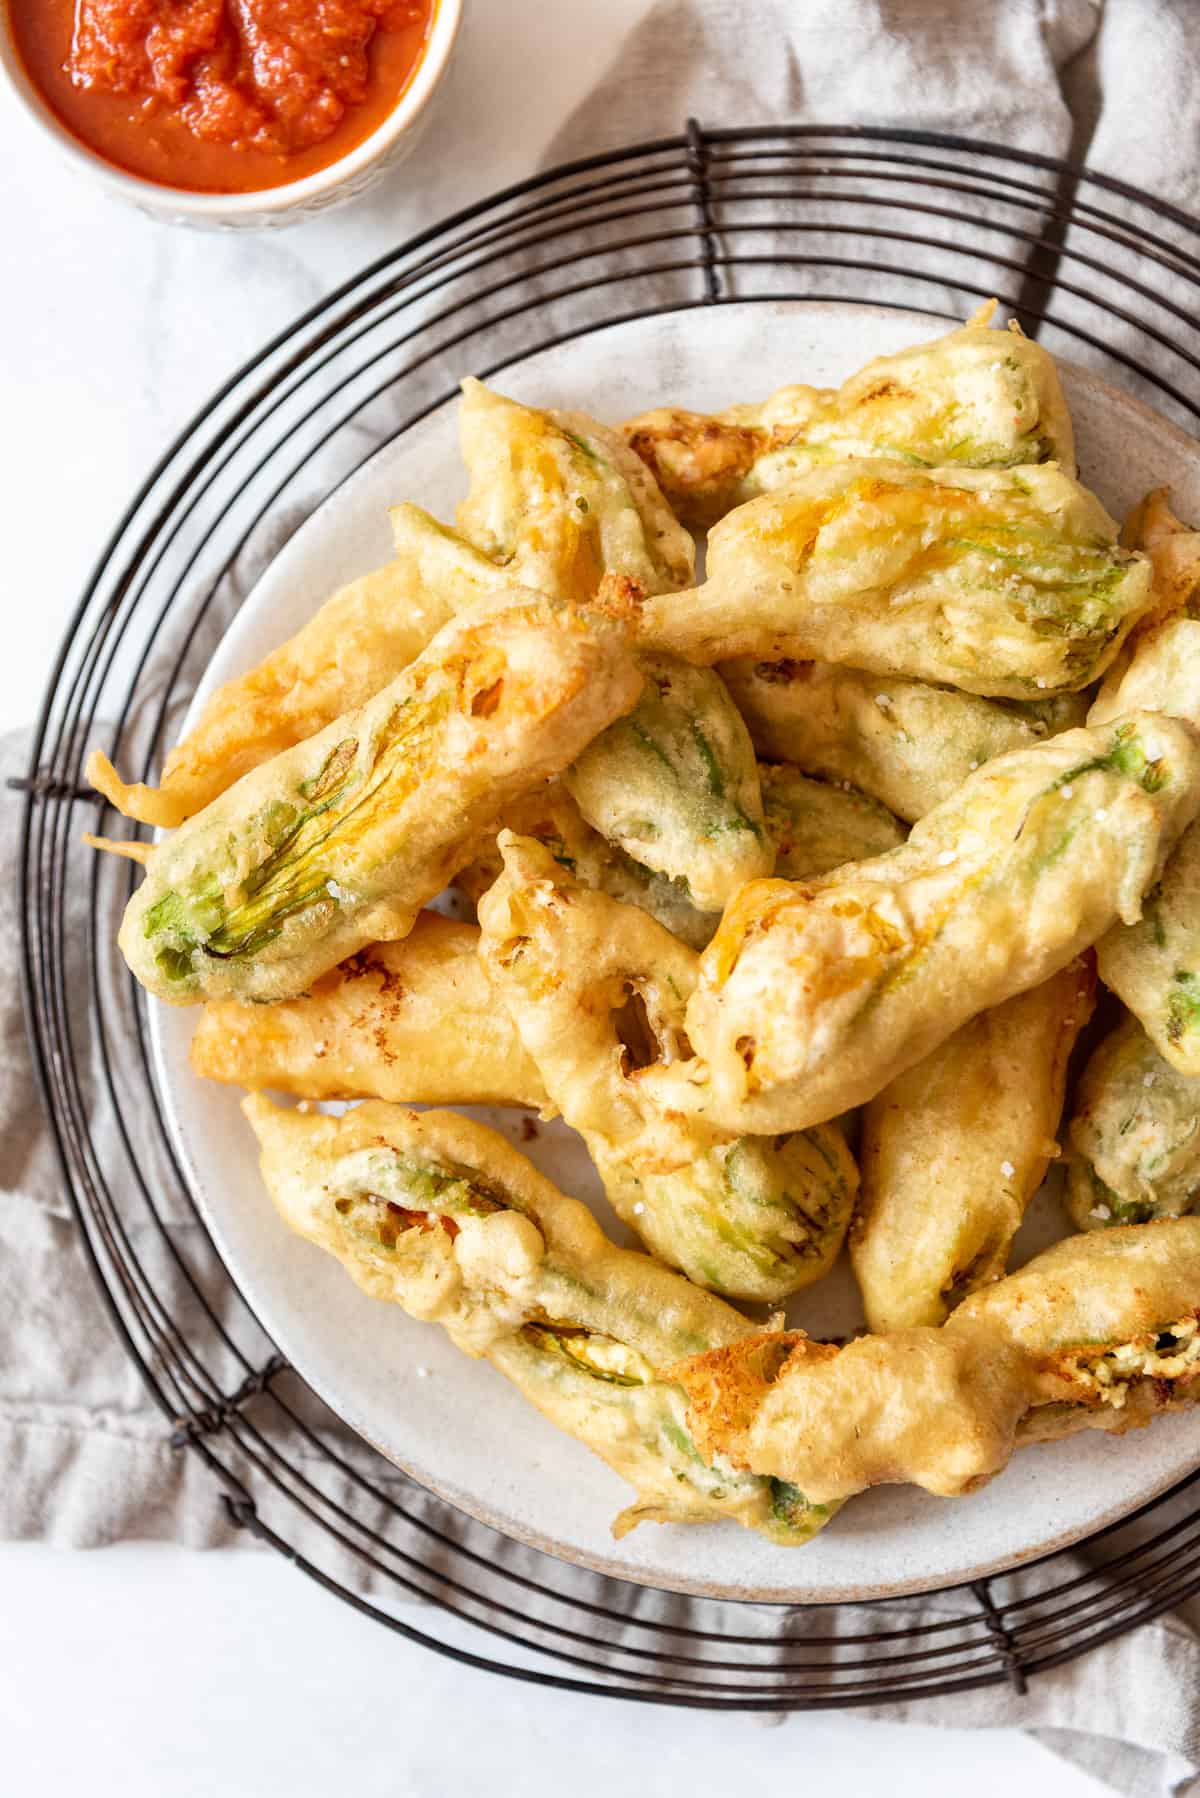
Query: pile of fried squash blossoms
{"type": "Point", "coordinates": [831, 899]}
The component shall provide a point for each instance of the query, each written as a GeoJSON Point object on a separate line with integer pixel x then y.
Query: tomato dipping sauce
{"type": "Point", "coordinates": [221, 96]}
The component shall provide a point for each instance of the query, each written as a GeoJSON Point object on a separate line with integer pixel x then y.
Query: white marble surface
{"type": "Point", "coordinates": [152, 1673]}
{"type": "Point", "coordinates": [145, 1670]}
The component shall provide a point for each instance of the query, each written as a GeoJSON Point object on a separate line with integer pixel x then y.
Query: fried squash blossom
{"type": "Point", "coordinates": [339, 842]}
{"type": "Point", "coordinates": [441, 1216]}
{"type": "Point", "coordinates": [812, 996]}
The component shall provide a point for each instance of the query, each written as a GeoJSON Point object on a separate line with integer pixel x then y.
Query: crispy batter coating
{"type": "Point", "coordinates": [813, 996]}
{"type": "Point", "coordinates": [413, 1022]}
{"type": "Point", "coordinates": [560, 501]}
{"type": "Point", "coordinates": [553, 818]}
{"type": "Point", "coordinates": [1153, 965]}
{"type": "Point", "coordinates": [812, 826]}
{"type": "Point", "coordinates": [1158, 669]}
{"type": "Point", "coordinates": [953, 1151]}
{"type": "Point", "coordinates": [979, 397]}
{"type": "Point", "coordinates": [596, 990]}
{"type": "Point", "coordinates": [444, 1218]}
{"type": "Point", "coordinates": [1174, 551]}
{"type": "Point", "coordinates": [1135, 1135]}
{"type": "Point", "coordinates": [1099, 1332]}
{"type": "Point", "coordinates": [564, 504]}
{"type": "Point", "coordinates": [1161, 675]}
{"type": "Point", "coordinates": [358, 641]}
{"type": "Point", "coordinates": [340, 841]}
{"type": "Point", "coordinates": [816, 827]}
{"type": "Point", "coordinates": [909, 745]}
{"type": "Point", "coordinates": [925, 1406]}
{"type": "Point", "coordinates": [675, 785]}
{"type": "Point", "coordinates": [1002, 583]}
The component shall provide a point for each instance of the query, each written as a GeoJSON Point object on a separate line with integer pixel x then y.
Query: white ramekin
{"type": "Point", "coordinates": [349, 176]}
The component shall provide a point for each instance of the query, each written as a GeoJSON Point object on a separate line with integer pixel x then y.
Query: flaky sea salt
{"type": "Point", "coordinates": [1066, 791]}
{"type": "Point", "coordinates": [1007, 1169]}
{"type": "Point", "coordinates": [1100, 1211]}
{"type": "Point", "coordinates": [638, 1209]}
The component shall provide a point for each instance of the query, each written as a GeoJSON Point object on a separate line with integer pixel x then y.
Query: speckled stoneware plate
{"type": "Point", "coordinates": [455, 1424]}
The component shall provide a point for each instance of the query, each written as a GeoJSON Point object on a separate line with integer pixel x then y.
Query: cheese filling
{"type": "Point", "coordinates": [1108, 1375]}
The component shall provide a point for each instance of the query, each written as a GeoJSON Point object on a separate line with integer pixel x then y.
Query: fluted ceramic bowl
{"type": "Point", "coordinates": [343, 179]}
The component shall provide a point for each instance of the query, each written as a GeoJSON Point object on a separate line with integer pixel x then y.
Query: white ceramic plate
{"type": "Point", "coordinates": [455, 1424]}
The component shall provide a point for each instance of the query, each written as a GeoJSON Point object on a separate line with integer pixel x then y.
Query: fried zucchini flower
{"type": "Point", "coordinates": [441, 1216]}
{"type": "Point", "coordinates": [1100, 1332]}
{"type": "Point", "coordinates": [812, 997]}
{"type": "Point", "coordinates": [907, 744]}
{"type": "Point", "coordinates": [1174, 551]}
{"type": "Point", "coordinates": [1158, 668]}
{"type": "Point", "coordinates": [816, 827]}
{"type": "Point", "coordinates": [1135, 1135]}
{"type": "Point", "coordinates": [1005, 583]}
{"type": "Point", "coordinates": [1154, 964]}
{"type": "Point", "coordinates": [413, 1022]}
{"type": "Point", "coordinates": [560, 501]}
{"type": "Point", "coordinates": [675, 785]}
{"type": "Point", "coordinates": [340, 841]}
{"type": "Point", "coordinates": [597, 990]}
{"type": "Point", "coordinates": [358, 641]}
{"type": "Point", "coordinates": [565, 505]}
{"type": "Point", "coordinates": [954, 1150]}
{"type": "Point", "coordinates": [978, 397]}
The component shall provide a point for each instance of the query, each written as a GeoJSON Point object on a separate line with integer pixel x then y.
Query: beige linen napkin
{"type": "Point", "coordinates": [86, 1457]}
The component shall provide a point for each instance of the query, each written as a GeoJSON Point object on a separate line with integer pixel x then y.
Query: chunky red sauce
{"type": "Point", "coordinates": [223, 96]}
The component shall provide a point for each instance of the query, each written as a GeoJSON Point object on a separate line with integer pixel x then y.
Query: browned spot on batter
{"type": "Point", "coordinates": [486, 702]}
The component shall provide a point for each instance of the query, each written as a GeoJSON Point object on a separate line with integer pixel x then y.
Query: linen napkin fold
{"type": "Point", "coordinates": [87, 1456]}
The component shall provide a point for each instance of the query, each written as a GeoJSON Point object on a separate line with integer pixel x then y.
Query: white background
{"type": "Point", "coordinates": [149, 1671]}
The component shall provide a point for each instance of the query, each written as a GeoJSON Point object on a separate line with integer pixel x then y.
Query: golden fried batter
{"type": "Point", "coordinates": [444, 1218]}
{"type": "Point", "coordinates": [1100, 1332]}
{"type": "Point", "coordinates": [906, 743]}
{"type": "Point", "coordinates": [977, 397]}
{"type": "Point", "coordinates": [1005, 583]}
{"type": "Point", "coordinates": [1134, 1137]}
{"type": "Point", "coordinates": [675, 785]}
{"type": "Point", "coordinates": [358, 641]}
{"type": "Point", "coordinates": [954, 1149]}
{"type": "Point", "coordinates": [414, 1022]}
{"type": "Point", "coordinates": [560, 501]}
{"type": "Point", "coordinates": [340, 841]}
{"type": "Point", "coordinates": [597, 989]}
{"type": "Point", "coordinates": [813, 996]}
{"type": "Point", "coordinates": [553, 818]}
{"type": "Point", "coordinates": [816, 827]}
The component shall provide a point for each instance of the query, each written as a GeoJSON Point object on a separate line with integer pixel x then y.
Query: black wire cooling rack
{"type": "Point", "coordinates": [1104, 275]}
